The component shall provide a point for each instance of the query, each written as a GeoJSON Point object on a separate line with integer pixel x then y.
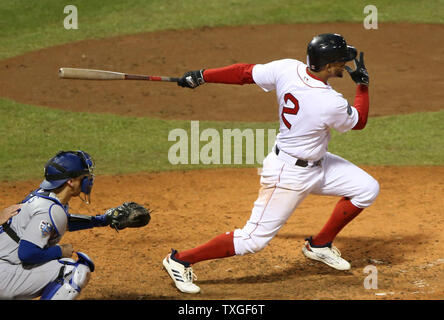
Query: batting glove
{"type": "Point", "coordinates": [360, 74]}
{"type": "Point", "coordinates": [192, 79]}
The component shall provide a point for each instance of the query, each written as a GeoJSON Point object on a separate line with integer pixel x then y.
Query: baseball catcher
{"type": "Point", "coordinates": [32, 263]}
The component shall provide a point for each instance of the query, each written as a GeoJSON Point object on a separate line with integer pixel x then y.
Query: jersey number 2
{"type": "Point", "coordinates": [286, 110]}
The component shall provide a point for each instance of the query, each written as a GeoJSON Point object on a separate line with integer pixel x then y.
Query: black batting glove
{"type": "Point", "coordinates": [360, 74]}
{"type": "Point", "coordinates": [192, 79]}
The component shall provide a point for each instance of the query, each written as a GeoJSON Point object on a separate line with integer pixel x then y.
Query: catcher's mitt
{"type": "Point", "coordinates": [128, 215]}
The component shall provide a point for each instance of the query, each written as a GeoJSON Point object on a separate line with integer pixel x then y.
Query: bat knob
{"type": "Point", "coordinates": [61, 72]}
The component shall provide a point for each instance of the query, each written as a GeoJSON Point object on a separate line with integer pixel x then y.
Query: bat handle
{"type": "Point", "coordinates": [150, 78]}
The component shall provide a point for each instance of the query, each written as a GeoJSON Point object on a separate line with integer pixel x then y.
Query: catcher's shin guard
{"type": "Point", "coordinates": [73, 278]}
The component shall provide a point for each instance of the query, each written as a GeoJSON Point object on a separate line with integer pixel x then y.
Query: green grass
{"type": "Point", "coordinates": [31, 135]}
{"type": "Point", "coordinates": [413, 139]}
{"type": "Point", "coordinates": [27, 25]}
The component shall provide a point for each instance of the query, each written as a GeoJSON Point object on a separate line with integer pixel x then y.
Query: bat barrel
{"type": "Point", "coordinates": [89, 74]}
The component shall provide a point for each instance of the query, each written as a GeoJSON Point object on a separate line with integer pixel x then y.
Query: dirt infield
{"type": "Point", "coordinates": [401, 234]}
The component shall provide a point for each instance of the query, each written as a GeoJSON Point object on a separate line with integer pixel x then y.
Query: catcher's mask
{"type": "Point", "coordinates": [66, 165]}
{"type": "Point", "coordinates": [327, 48]}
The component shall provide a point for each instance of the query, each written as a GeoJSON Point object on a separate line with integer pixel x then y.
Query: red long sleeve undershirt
{"type": "Point", "coordinates": [361, 104]}
{"type": "Point", "coordinates": [241, 73]}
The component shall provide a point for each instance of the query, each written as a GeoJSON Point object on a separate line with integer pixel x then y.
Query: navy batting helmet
{"type": "Point", "coordinates": [327, 48]}
{"type": "Point", "coordinates": [66, 165]}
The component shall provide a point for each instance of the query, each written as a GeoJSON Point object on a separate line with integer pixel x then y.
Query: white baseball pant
{"type": "Point", "coordinates": [284, 186]}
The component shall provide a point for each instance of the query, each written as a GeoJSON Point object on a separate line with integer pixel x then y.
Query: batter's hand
{"type": "Point", "coordinates": [67, 250]}
{"type": "Point", "coordinates": [360, 74]}
{"type": "Point", "coordinates": [192, 79]}
{"type": "Point", "coordinates": [9, 212]}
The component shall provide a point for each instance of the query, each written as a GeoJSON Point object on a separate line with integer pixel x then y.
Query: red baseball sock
{"type": "Point", "coordinates": [221, 246]}
{"type": "Point", "coordinates": [343, 213]}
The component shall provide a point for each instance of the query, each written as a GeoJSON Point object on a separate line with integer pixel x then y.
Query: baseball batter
{"type": "Point", "coordinates": [300, 164]}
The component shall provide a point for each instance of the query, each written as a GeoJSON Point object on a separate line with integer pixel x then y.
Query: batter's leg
{"type": "Point", "coordinates": [283, 188]}
{"type": "Point", "coordinates": [357, 189]}
{"type": "Point", "coordinates": [271, 210]}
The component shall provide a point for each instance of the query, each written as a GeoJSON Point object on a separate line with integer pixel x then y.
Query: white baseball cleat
{"type": "Point", "coordinates": [329, 254]}
{"type": "Point", "coordinates": [181, 273]}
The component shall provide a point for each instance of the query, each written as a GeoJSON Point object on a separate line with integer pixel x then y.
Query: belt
{"type": "Point", "coordinates": [297, 162]}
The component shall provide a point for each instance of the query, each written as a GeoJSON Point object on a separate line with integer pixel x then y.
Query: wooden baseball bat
{"type": "Point", "coordinates": [91, 74]}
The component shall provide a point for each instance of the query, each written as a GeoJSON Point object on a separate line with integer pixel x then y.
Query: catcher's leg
{"type": "Point", "coordinates": [74, 276]}
{"type": "Point", "coordinates": [21, 283]}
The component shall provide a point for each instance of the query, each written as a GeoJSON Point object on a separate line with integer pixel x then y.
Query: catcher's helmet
{"type": "Point", "coordinates": [326, 48]}
{"type": "Point", "coordinates": [66, 165]}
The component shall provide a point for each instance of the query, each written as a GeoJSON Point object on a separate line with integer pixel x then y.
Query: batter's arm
{"type": "Point", "coordinates": [362, 104]}
{"type": "Point", "coordinates": [239, 73]}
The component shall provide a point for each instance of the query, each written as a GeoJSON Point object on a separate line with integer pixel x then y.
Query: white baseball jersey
{"type": "Point", "coordinates": [308, 108]}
